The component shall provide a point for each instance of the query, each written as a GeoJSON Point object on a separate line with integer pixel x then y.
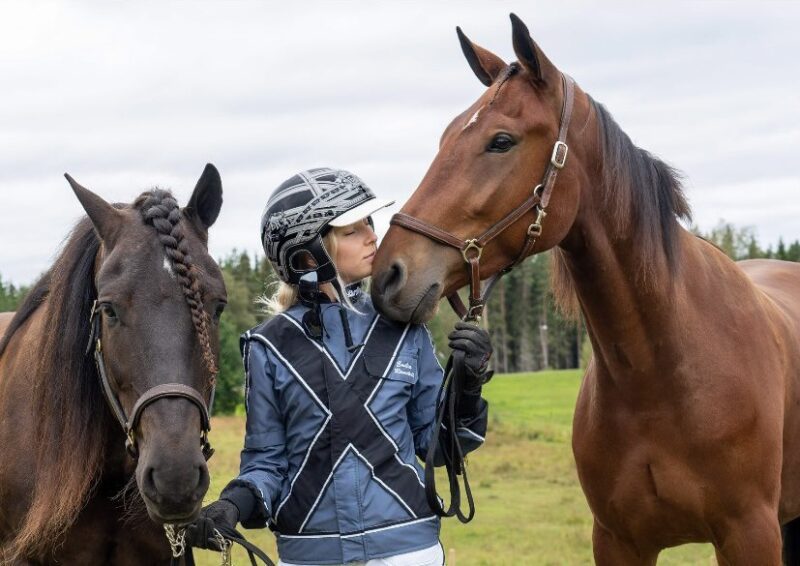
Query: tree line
{"type": "Point", "coordinates": [10, 296]}
{"type": "Point", "coordinates": [529, 333]}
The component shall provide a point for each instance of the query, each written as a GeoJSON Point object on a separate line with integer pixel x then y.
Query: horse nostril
{"type": "Point", "coordinates": [203, 481]}
{"type": "Point", "coordinates": [149, 484]}
{"type": "Point", "coordinates": [394, 279]}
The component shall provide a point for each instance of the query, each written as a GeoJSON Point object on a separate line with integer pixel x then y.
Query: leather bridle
{"type": "Point", "coordinates": [472, 248]}
{"type": "Point", "coordinates": [149, 397]}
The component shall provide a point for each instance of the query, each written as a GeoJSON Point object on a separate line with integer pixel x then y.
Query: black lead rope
{"type": "Point", "coordinates": [446, 426]}
{"type": "Point", "coordinates": [233, 537]}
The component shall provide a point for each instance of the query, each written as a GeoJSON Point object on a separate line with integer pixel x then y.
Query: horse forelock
{"type": "Point", "coordinates": [502, 79]}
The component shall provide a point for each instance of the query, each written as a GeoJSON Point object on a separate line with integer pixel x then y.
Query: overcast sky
{"type": "Point", "coordinates": [125, 96]}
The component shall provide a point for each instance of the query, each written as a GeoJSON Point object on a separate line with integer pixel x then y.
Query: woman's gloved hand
{"type": "Point", "coordinates": [474, 341]}
{"type": "Point", "coordinates": [201, 533]}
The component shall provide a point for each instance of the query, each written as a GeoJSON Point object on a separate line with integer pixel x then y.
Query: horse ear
{"type": "Point", "coordinates": [528, 53]}
{"type": "Point", "coordinates": [203, 207]}
{"type": "Point", "coordinates": [105, 218]}
{"type": "Point", "coordinates": [485, 64]}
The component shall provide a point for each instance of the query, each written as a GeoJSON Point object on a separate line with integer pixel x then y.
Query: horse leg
{"type": "Point", "coordinates": [611, 550]}
{"type": "Point", "coordinates": [755, 539]}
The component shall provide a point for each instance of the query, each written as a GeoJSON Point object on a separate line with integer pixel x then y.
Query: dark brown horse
{"type": "Point", "coordinates": [687, 425]}
{"type": "Point", "coordinates": [67, 488]}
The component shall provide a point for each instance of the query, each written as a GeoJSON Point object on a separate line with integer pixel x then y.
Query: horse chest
{"type": "Point", "coordinates": [650, 470]}
{"type": "Point", "coordinates": [102, 535]}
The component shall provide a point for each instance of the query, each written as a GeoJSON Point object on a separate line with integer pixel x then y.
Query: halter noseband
{"type": "Point", "coordinates": [147, 398]}
{"type": "Point", "coordinates": [472, 248]}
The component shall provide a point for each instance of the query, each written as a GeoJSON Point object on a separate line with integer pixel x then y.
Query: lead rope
{"type": "Point", "coordinates": [451, 451]}
{"type": "Point", "coordinates": [471, 250]}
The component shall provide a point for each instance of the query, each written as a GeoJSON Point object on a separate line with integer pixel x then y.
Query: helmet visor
{"type": "Point", "coordinates": [363, 210]}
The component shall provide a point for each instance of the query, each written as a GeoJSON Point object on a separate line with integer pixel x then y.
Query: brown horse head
{"type": "Point", "coordinates": [160, 295]}
{"type": "Point", "coordinates": [490, 159]}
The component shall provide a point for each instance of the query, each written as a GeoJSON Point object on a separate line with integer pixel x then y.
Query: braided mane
{"type": "Point", "coordinates": [160, 209]}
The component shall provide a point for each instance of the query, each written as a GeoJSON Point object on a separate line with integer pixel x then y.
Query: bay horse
{"type": "Point", "coordinates": [687, 424]}
{"type": "Point", "coordinates": [137, 284]}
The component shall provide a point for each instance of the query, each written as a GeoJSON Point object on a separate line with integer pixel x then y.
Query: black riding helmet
{"type": "Point", "coordinates": [301, 211]}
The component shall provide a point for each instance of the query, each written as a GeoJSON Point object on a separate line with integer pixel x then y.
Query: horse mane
{"type": "Point", "coordinates": [66, 395]}
{"type": "Point", "coordinates": [73, 419]}
{"type": "Point", "coordinates": [642, 196]}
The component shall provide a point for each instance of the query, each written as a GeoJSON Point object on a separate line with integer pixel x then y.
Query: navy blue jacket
{"type": "Point", "coordinates": [333, 435]}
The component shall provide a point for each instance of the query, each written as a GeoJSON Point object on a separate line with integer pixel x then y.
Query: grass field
{"type": "Point", "coordinates": [530, 508]}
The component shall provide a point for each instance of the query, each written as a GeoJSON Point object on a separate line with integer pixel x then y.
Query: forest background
{"type": "Point", "coordinates": [528, 331]}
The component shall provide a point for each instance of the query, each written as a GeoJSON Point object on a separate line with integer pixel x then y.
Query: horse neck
{"type": "Point", "coordinates": [633, 324]}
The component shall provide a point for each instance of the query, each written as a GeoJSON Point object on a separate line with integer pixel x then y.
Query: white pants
{"type": "Point", "coordinates": [431, 556]}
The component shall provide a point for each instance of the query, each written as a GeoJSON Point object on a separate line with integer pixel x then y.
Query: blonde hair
{"type": "Point", "coordinates": [286, 294]}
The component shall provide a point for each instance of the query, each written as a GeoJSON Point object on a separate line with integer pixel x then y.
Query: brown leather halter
{"type": "Point", "coordinates": [472, 248]}
{"type": "Point", "coordinates": [150, 396]}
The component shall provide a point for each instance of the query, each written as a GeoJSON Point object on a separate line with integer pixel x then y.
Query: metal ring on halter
{"type": "Point", "coordinates": [472, 316]}
{"type": "Point", "coordinates": [131, 445]}
{"type": "Point", "coordinates": [471, 245]}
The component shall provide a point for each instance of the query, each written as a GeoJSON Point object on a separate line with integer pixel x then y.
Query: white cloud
{"type": "Point", "coordinates": [125, 96]}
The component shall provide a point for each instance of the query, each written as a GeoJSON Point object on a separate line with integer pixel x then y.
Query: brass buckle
{"type": "Point", "coordinates": [535, 229]}
{"type": "Point", "coordinates": [474, 314]}
{"type": "Point", "coordinates": [559, 163]}
{"type": "Point", "coordinates": [130, 444]}
{"type": "Point", "coordinates": [471, 245]}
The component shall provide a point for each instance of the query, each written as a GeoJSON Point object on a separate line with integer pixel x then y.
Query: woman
{"type": "Point", "coordinates": [340, 401]}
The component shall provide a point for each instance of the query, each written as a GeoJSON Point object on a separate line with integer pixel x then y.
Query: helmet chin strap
{"type": "Point", "coordinates": [311, 297]}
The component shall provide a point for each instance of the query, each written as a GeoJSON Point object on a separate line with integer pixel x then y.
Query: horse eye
{"type": "Point", "coordinates": [501, 143]}
{"type": "Point", "coordinates": [109, 312]}
{"type": "Point", "coordinates": [218, 311]}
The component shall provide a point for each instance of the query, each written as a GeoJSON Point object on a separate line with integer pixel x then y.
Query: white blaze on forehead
{"type": "Point", "coordinates": [168, 267]}
{"type": "Point", "coordinates": [473, 119]}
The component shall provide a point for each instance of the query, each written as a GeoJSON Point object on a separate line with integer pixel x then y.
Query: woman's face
{"type": "Point", "coordinates": [355, 250]}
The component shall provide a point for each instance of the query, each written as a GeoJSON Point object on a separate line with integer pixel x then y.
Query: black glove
{"type": "Point", "coordinates": [474, 341]}
{"type": "Point", "coordinates": [201, 533]}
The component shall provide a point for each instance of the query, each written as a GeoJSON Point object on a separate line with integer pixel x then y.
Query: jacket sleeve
{"type": "Point", "coordinates": [263, 465]}
{"type": "Point", "coordinates": [426, 398]}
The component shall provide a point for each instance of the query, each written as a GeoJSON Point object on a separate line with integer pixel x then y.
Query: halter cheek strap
{"type": "Point", "coordinates": [472, 248]}
{"type": "Point", "coordinates": [149, 397]}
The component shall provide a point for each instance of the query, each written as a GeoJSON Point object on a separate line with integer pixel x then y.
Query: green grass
{"type": "Point", "coordinates": [530, 508]}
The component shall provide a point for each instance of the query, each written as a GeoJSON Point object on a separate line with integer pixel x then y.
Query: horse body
{"type": "Point", "coordinates": [68, 484]}
{"type": "Point", "coordinates": [687, 424]}
{"type": "Point", "coordinates": [681, 420]}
